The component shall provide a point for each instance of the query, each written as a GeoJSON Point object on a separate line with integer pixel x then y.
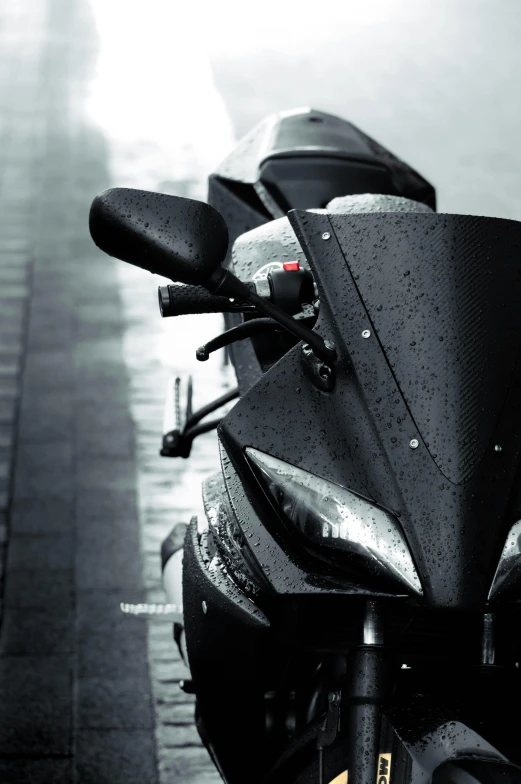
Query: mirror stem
{"type": "Point", "coordinates": [224, 283]}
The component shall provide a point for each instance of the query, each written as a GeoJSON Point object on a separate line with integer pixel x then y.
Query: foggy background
{"type": "Point", "coordinates": [153, 95]}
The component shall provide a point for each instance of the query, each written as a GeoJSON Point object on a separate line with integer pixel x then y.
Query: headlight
{"type": "Point", "coordinates": [330, 516]}
{"type": "Point", "coordinates": [508, 573]}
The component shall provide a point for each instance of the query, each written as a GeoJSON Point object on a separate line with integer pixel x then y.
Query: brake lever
{"type": "Point", "coordinates": [242, 331]}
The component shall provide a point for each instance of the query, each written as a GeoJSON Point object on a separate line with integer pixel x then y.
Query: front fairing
{"type": "Point", "coordinates": [440, 298]}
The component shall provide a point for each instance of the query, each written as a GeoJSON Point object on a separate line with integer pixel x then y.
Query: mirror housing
{"type": "Point", "coordinates": [181, 239]}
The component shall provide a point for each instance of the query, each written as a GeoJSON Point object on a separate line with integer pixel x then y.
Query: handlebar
{"type": "Point", "coordinates": [289, 290]}
{"type": "Point", "coordinates": [294, 288]}
{"type": "Point", "coordinates": [180, 300]}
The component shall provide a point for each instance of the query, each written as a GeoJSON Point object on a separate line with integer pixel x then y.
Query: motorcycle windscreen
{"type": "Point", "coordinates": [426, 312]}
{"type": "Point", "coordinates": [443, 293]}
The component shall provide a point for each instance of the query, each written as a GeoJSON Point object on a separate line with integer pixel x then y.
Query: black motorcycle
{"type": "Point", "coordinates": [351, 611]}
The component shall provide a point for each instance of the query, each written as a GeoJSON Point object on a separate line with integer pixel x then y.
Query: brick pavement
{"type": "Point", "coordinates": [88, 695]}
{"type": "Point", "coordinates": [15, 249]}
{"type": "Point", "coordinates": [168, 492]}
{"type": "Point", "coordinates": [76, 698]}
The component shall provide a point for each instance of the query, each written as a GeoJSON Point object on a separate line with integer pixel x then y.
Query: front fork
{"type": "Point", "coordinates": [363, 697]}
{"type": "Point", "coordinates": [354, 713]}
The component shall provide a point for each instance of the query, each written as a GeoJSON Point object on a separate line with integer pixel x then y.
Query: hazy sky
{"type": "Point", "coordinates": [434, 80]}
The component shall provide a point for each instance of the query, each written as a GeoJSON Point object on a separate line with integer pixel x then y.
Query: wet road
{"type": "Point", "coordinates": [87, 694]}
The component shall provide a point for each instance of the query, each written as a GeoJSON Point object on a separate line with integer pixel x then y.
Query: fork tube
{"type": "Point", "coordinates": [364, 696]}
{"type": "Point", "coordinates": [488, 649]}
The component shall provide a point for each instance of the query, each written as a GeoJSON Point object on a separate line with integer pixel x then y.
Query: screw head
{"type": "Point", "coordinates": [498, 448]}
{"type": "Point", "coordinates": [326, 235]}
{"type": "Point", "coordinates": [205, 607]}
{"type": "Point", "coordinates": [414, 443]}
{"type": "Point", "coordinates": [366, 333]}
{"type": "Point", "coordinates": [324, 372]}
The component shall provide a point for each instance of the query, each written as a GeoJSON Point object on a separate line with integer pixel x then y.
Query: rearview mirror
{"type": "Point", "coordinates": [181, 239]}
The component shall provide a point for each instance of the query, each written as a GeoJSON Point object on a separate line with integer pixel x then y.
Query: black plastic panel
{"type": "Point", "coordinates": [227, 622]}
{"type": "Point", "coordinates": [443, 293]}
{"type": "Point", "coordinates": [359, 434]}
{"type": "Point", "coordinates": [240, 213]}
{"type": "Point", "coordinates": [317, 130]}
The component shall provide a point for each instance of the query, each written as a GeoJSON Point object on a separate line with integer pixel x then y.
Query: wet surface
{"type": "Point", "coordinates": [85, 359]}
{"type": "Point", "coordinates": [77, 700]}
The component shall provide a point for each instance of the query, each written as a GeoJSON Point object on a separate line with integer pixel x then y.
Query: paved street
{"type": "Point", "coordinates": [76, 699]}
{"type": "Point", "coordinates": [87, 694]}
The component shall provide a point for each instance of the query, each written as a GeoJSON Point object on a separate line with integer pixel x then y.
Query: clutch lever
{"type": "Point", "coordinates": [177, 441]}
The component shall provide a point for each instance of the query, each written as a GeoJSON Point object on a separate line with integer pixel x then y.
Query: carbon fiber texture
{"type": "Point", "coordinates": [444, 295]}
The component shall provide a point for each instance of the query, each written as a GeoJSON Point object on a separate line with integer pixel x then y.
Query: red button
{"type": "Point", "coordinates": [291, 266]}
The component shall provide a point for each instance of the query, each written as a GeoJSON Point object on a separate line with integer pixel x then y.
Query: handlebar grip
{"type": "Point", "coordinates": [180, 300]}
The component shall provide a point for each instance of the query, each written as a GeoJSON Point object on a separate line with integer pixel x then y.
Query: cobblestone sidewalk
{"type": "Point", "coordinates": [84, 500]}
{"type": "Point", "coordinates": [169, 491]}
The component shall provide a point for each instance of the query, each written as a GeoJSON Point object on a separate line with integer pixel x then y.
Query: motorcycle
{"type": "Point", "coordinates": [351, 610]}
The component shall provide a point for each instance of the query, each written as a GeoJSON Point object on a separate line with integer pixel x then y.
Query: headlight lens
{"type": "Point", "coordinates": [332, 517]}
{"type": "Point", "coordinates": [508, 574]}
